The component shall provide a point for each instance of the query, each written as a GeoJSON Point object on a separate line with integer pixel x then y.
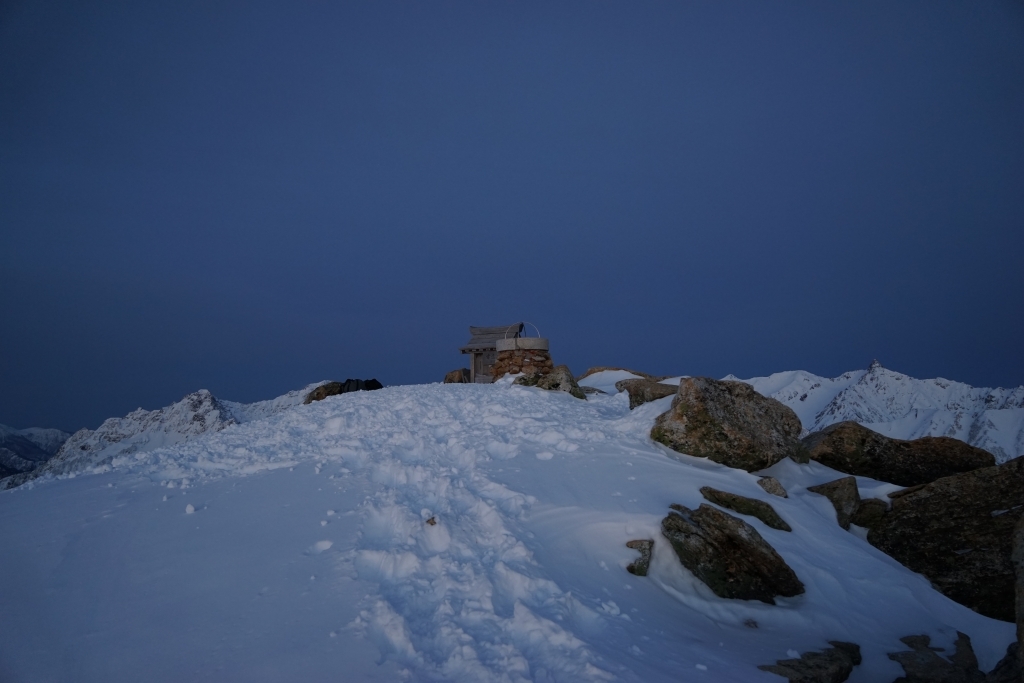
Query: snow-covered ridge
{"type": "Point", "coordinates": [146, 430]}
{"type": "Point", "coordinates": [23, 450]}
{"type": "Point", "coordinates": [903, 407]}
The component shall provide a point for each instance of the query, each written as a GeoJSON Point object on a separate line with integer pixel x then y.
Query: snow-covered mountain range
{"type": "Point", "coordinates": [145, 430]}
{"type": "Point", "coordinates": [23, 450]}
{"type": "Point", "coordinates": [903, 407]}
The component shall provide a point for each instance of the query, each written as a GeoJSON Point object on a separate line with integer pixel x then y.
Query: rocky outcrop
{"type": "Point", "coordinates": [923, 664]}
{"type": "Point", "coordinates": [833, 665]}
{"type": "Point", "coordinates": [1017, 557]}
{"type": "Point", "coordinates": [855, 449]}
{"type": "Point", "coordinates": [728, 555]}
{"type": "Point", "coordinates": [643, 391]}
{"type": "Point", "coordinates": [460, 376]}
{"type": "Point", "coordinates": [559, 379]}
{"type": "Point", "coordinates": [746, 506]}
{"type": "Point", "coordinates": [772, 486]}
{"type": "Point", "coordinates": [526, 361]}
{"type": "Point", "coordinates": [640, 566]}
{"type": "Point", "coordinates": [869, 513]}
{"type": "Point", "coordinates": [958, 531]}
{"type": "Point", "coordinates": [336, 388]}
{"type": "Point", "coordinates": [843, 495]}
{"type": "Point", "coordinates": [728, 422]}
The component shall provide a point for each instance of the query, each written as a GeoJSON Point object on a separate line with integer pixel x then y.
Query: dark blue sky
{"type": "Point", "coordinates": [248, 198]}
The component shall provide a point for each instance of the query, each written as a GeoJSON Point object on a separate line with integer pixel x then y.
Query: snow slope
{"type": "Point", "coordinates": [296, 546]}
{"type": "Point", "coordinates": [903, 407]}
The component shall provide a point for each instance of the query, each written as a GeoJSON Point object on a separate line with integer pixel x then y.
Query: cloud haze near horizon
{"type": "Point", "coordinates": [250, 197]}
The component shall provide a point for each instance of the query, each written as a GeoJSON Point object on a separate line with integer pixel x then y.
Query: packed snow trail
{"type": "Point", "coordinates": [469, 532]}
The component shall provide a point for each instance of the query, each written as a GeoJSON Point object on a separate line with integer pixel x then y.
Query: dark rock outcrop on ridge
{"type": "Point", "coordinates": [643, 391]}
{"type": "Point", "coordinates": [728, 555]}
{"type": "Point", "coordinates": [559, 379]}
{"type": "Point", "coordinates": [335, 388]}
{"type": "Point", "coordinates": [728, 422]}
{"type": "Point", "coordinates": [460, 376]}
{"type": "Point", "coordinates": [746, 506]}
{"type": "Point", "coordinates": [833, 665]}
{"type": "Point", "coordinates": [855, 449]}
{"type": "Point", "coordinates": [958, 531]}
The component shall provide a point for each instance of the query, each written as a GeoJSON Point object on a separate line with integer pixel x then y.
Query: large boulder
{"type": "Point", "coordinates": [843, 495]}
{"type": "Point", "coordinates": [335, 388]}
{"type": "Point", "coordinates": [728, 422]}
{"type": "Point", "coordinates": [745, 506]}
{"type": "Point", "coordinates": [728, 555]}
{"type": "Point", "coordinates": [832, 665]}
{"type": "Point", "coordinates": [460, 376]}
{"type": "Point", "coordinates": [958, 531]}
{"type": "Point", "coordinates": [855, 449]}
{"type": "Point", "coordinates": [643, 391]}
{"type": "Point", "coordinates": [1017, 556]}
{"type": "Point", "coordinates": [559, 379]}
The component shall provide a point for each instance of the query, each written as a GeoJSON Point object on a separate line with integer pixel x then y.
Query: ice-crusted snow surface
{"type": "Point", "coordinates": [297, 546]}
{"type": "Point", "coordinates": [903, 407]}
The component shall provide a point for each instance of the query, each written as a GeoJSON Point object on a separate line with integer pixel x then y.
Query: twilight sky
{"type": "Point", "coordinates": [249, 197]}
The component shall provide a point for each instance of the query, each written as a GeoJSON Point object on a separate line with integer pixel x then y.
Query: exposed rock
{"type": "Point", "coordinates": [772, 486]}
{"type": "Point", "coordinates": [844, 497]}
{"type": "Point", "coordinates": [460, 376]}
{"type": "Point", "coordinates": [922, 663]}
{"type": "Point", "coordinates": [592, 390]}
{"type": "Point", "coordinates": [640, 567]}
{"type": "Point", "coordinates": [559, 379]}
{"type": "Point", "coordinates": [869, 513]}
{"type": "Point", "coordinates": [643, 391]}
{"type": "Point", "coordinates": [526, 361]}
{"type": "Point", "coordinates": [1009, 668]}
{"type": "Point", "coordinates": [603, 368]}
{"type": "Point", "coordinates": [833, 665]}
{"type": "Point", "coordinates": [855, 449]}
{"type": "Point", "coordinates": [1017, 557]}
{"type": "Point", "coordinates": [958, 531]}
{"type": "Point", "coordinates": [746, 506]}
{"type": "Point", "coordinates": [348, 386]}
{"type": "Point", "coordinates": [728, 422]}
{"type": "Point", "coordinates": [728, 555]}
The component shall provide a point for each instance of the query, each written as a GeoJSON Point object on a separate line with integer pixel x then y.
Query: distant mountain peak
{"type": "Point", "coordinates": [875, 365]}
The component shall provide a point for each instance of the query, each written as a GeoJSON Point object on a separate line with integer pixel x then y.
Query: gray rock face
{"type": "Point", "coordinates": [559, 379]}
{"type": "Point", "coordinates": [728, 422]}
{"type": "Point", "coordinates": [460, 376]}
{"type": "Point", "coordinates": [772, 486]}
{"type": "Point", "coordinates": [855, 449]}
{"type": "Point", "coordinates": [833, 665]}
{"type": "Point", "coordinates": [643, 391]}
{"type": "Point", "coordinates": [958, 531]}
{"type": "Point", "coordinates": [870, 513]}
{"type": "Point", "coordinates": [1009, 669]}
{"type": "Point", "coordinates": [746, 506]}
{"type": "Point", "coordinates": [1017, 557]}
{"type": "Point", "coordinates": [728, 555]}
{"type": "Point", "coordinates": [640, 567]}
{"type": "Point", "coordinates": [844, 497]}
{"type": "Point", "coordinates": [922, 663]}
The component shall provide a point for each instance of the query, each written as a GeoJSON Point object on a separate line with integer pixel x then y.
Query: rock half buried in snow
{"type": "Point", "coordinates": [728, 555]}
{"type": "Point", "coordinates": [923, 664]}
{"type": "Point", "coordinates": [335, 388]}
{"type": "Point", "coordinates": [559, 379]}
{"type": "Point", "coordinates": [844, 497]}
{"type": "Point", "coordinates": [855, 449]}
{"type": "Point", "coordinates": [643, 391]}
{"type": "Point", "coordinates": [833, 665]}
{"type": "Point", "coordinates": [958, 531]}
{"type": "Point", "coordinates": [460, 376]}
{"type": "Point", "coordinates": [640, 567]}
{"type": "Point", "coordinates": [728, 422]}
{"type": "Point", "coordinates": [772, 486]}
{"type": "Point", "coordinates": [746, 506]}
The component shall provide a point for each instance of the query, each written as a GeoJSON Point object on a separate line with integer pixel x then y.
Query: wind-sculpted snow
{"type": "Point", "coordinates": [466, 532]}
{"type": "Point", "coordinates": [902, 407]}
